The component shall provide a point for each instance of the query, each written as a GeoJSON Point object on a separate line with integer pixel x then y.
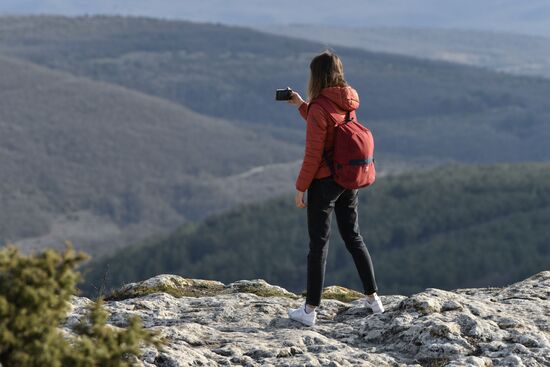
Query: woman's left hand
{"type": "Point", "coordinates": [299, 200]}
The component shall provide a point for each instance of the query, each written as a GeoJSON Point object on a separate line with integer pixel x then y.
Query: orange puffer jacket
{"type": "Point", "coordinates": [320, 133]}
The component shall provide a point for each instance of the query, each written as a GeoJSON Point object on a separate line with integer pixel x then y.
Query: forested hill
{"type": "Point", "coordinates": [417, 109]}
{"type": "Point", "coordinates": [457, 226]}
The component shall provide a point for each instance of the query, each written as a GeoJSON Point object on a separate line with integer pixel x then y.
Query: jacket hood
{"type": "Point", "coordinates": [345, 98]}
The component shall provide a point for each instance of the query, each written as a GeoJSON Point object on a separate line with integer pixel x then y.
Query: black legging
{"type": "Point", "coordinates": [323, 196]}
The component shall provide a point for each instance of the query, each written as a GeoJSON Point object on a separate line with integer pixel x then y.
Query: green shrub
{"type": "Point", "coordinates": [35, 291]}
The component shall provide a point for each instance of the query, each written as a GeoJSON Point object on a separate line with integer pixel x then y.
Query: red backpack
{"type": "Point", "coordinates": [352, 164]}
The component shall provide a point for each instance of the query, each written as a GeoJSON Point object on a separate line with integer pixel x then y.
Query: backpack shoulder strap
{"type": "Point", "coordinates": [336, 118]}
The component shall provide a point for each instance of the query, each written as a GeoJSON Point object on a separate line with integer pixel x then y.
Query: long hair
{"type": "Point", "coordinates": [326, 71]}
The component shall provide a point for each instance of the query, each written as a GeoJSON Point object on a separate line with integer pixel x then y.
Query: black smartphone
{"type": "Point", "coordinates": [283, 94]}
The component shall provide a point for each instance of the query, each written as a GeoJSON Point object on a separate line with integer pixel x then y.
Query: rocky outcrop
{"type": "Point", "coordinates": [207, 323]}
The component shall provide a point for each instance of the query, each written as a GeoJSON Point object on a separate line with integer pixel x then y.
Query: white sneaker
{"type": "Point", "coordinates": [375, 305]}
{"type": "Point", "coordinates": [300, 315]}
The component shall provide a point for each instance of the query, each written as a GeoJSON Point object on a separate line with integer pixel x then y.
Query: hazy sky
{"type": "Point", "coordinates": [522, 16]}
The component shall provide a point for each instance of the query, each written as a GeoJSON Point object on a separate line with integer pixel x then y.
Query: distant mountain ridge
{"type": "Point", "coordinates": [504, 52]}
{"type": "Point", "coordinates": [231, 72]}
{"type": "Point", "coordinates": [527, 16]}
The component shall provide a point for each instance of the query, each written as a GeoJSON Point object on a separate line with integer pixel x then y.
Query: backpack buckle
{"type": "Point", "coordinates": [348, 117]}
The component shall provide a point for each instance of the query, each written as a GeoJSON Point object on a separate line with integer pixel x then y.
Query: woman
{"type": "Point", "coordinates": [323, 194]}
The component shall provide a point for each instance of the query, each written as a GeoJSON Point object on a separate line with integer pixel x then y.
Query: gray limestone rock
{"type": "Point", "coordinates": [245, 323]}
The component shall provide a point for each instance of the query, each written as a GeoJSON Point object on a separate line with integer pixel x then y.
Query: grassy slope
{"type": "Point", "coordinates": [68, 143]}
{"type": "Point", "coordinates": [452, 227]}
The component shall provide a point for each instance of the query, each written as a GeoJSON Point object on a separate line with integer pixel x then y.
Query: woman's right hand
{"type": "Point", "coordinates": [296, 99]}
